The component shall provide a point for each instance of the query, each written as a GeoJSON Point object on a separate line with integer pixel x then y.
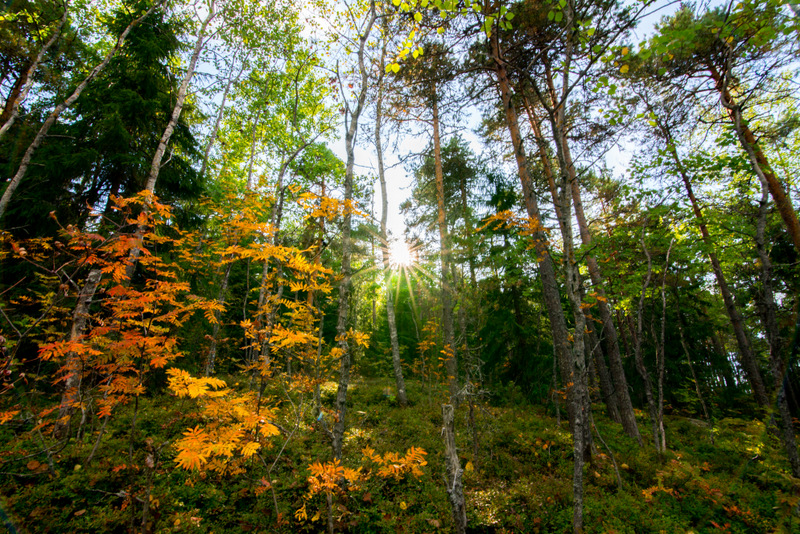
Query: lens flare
{"type": "Point", "coordinates": [399, 254]}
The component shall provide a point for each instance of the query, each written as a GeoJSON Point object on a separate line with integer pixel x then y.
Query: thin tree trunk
{"type": "Point", "coordinates": [455, 487]}
{"type": "Point", "coordinates": [344, 287]}
{"type": "Point", "coordinates": [212, 138]}
{"type": "Point", "coordinates": [396, 362]}
{"type": "Point", "coordinates": [451, 358]}
{"type": "Point", "coordinates": [580, 399]}
{"type": "Point", "coordinates": [773, 335]}
{"type": "Point", "coordinates": [212, 351]}
{"type": "Point", "coordinates": [606, 385]}
{"type": "Point", "coordinates": [661, 352]}
{"type": "Point", "coordinates": [640, 366]}
{"type": "Point", "coordinates": [687, 353]}
{"type": "Point", "coordinates": [74, 363]}
{"type": "Point", "coordinates": [59, 109]}
{"type": "Point", "coordinates": [252, 158]}
{"type": "Point", "coordinates": [746, 355]}
{"type": "Point", "coordinates": [621, 400]}
{"type": "Point", "coordinates": [23, 85]}
{"type": "Point", "coordinates": [155, 166]}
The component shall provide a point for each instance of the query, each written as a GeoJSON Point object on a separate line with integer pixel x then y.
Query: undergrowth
{"type": "Point", "coordinates": [520, 480]}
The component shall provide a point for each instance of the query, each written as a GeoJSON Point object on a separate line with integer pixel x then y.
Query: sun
{"type": "Point", "coordinates": [400, 254]}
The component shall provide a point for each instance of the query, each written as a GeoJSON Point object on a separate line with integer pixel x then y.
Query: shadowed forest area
{"type": "Point", "coordinates": [212, 321]}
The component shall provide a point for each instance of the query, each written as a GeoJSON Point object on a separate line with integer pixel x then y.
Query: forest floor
{"type": "Point", "coordinates": [732, 478]}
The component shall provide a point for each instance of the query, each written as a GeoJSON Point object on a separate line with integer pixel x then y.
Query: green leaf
{"type": "Point", "coordinates": [487, 25]}
{"type": "Point", "coordinates": [612, 89]}
{"type": "Point", "coordinates": [509, 15]}
{"type": "Point", "coordinates": [662, 71]}
{"type": "Point", "coordinates": [590, 32]}
{"type": "Point", "coordinates": [562, 3]}
{"type": "Point", "coordinates": [559, 16]}
{"type": "Point", "coordinates": [418, 17]}
{"type": "Point", "coordinates": [597, 49]}
{"type": "Point", "coordinates": [551, 15]}
{"type": "Point", "coordinates": [440, 30]}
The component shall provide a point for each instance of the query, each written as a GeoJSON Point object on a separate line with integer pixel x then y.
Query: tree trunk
{"type": "Point", "coordinates": [212, 138]}
{"type": "Point", "coordinates": [155, 166]}
{"type": "Point", "coordinates": [687, 353]}
{"type": "Point", "coordinates": [746, 355]}
{"type": "Point", "coordinates": [773, 334]}
{"type": "Point", "coordinates": [637, 344]}
{"type": "Point", "coordinates": [758, 159]}
{"type": "Point", "coordinates": [661, 351]}
{"type": "Point", "coordinates": [451, 358]}
{"type": "Point", "coordinates": [580, 402]}
{"type": "Point", "coordinates": [455, 487]}
{"type": "Point", "coordinates": [212, 351]}
{"type": "Point", "coordinates": [396, 362]}
{"type": "Point", "coordinates": [344, 287]}
{"type": "Point", "coordinates": [609, 336]}
{"type": "Point", "coordinates": [74, 363]}
{"type": "Point", "coordinates": [606, 386]}
{"type": "Point", "coordinates": [550, 291]}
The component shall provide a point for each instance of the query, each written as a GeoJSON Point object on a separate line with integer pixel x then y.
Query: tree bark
{"type": "Point", "coordinates": [550, 291]}
{"type": "Point", "coordinates": [212, 350]}
{"type": "Point", "coordinates": [212, 138]}
{"type": "Point", "coordinates": [661, 352]}
{"type": "Point", "coordinates": [687, 353]}
{"type": "Point", "coordinates": [606, 385]}
{"type": "Point", "coordinates": [155, 166]}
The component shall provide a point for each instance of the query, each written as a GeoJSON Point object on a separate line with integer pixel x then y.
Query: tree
{"type": "Point", "coordinates": [14, 182]}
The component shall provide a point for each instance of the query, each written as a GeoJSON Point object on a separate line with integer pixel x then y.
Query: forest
{"type": "Point", "coordinates": [412, 266]}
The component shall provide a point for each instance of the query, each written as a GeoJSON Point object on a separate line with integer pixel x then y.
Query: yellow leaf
{"type": "Point", "coordinates": [301, 514]}
{"type": "Point", "coordinates": [250, 449]}
{"type": "Point", "coordinates": [623, 69]}
{"type": "Point", "coordinates": [469, 467]}
{"type": "Point", "coordinates": [403, 505]}
{"type": "Point", "coordinates": [625, 50]}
